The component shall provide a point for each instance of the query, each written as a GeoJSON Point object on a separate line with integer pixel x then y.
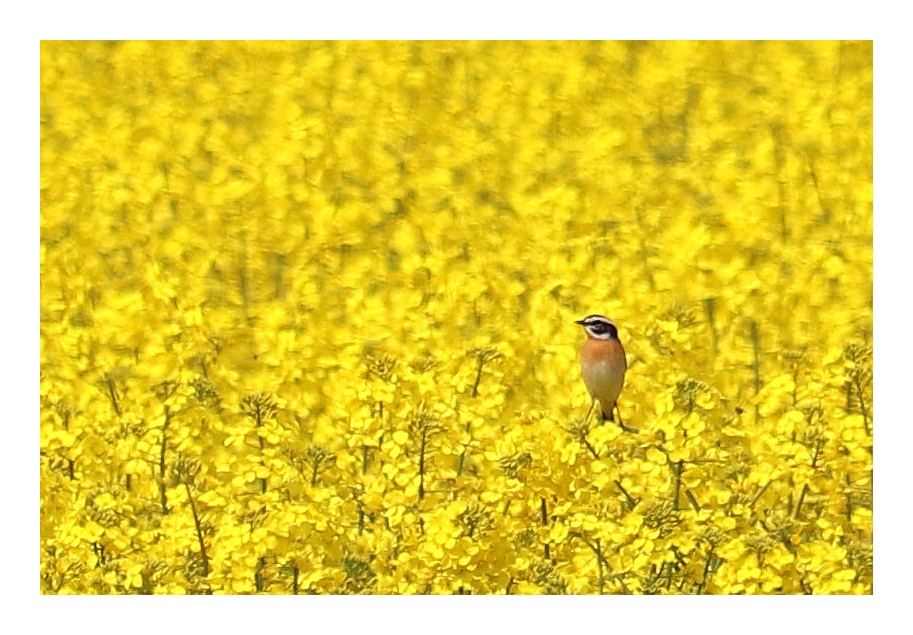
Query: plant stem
{"type": "Point", "coordinates": [630, 500]}
{"type": "Point", "coordinates": [598, 550]}
{"type": "Point", "coordinates": [703, 583]}
{"type": "Point", "coordinates": [421, 466]}
{"type": "Point", "coordinates": [710, 311]}
{"type": "Point", "coordinates": [258, 574]}
{"type": "Point", "coordinates": [162, 483]}
{"type": "Point", "coordinates": [199, 530]}
{"type": "Point", "coordinates": [475, 385]}
{"type": "Point", "coordinates": [543, 508]}
{"type": "Point", "coordinates": [756, 346]}
{"type": "Point", "coordinates": [677, 474]}
{"type": "Point", "coordinates": [259, 421]}
{"type": "Point", "coordinates": [692, 500]}
{"type": "Point", "coordinates": [862, 407]}
{"type": "Point", "coordinates": [801, 500]}
{"type": "Point", "coordinates": [759, 495]}
{"type": "Point", "coordinates": [112, 394]}
{"type": "Point", "coordinates": [589, 446]}
{"type": "Point", "coordinates": [461, 462]}
{"type": "Point", "coordinates": [756, 364]}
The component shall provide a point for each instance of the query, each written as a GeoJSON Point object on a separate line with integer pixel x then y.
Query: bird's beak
{"type": "Point", "coordinates": [580, 322]}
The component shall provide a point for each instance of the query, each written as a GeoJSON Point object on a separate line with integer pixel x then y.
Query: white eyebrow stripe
{"type": "Point", "coordinates": [599, 327]}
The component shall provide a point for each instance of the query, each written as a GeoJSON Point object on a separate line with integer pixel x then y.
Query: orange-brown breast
{"type": "Point", "coordinates": [603, 364]}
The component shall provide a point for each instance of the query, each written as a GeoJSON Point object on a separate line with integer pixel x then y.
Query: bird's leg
{"type": "Point", "coordinates": [590, 411]}
{"type": "Point", "coordinates": [622, 423]}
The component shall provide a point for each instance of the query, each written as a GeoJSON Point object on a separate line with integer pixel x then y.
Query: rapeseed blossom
{"type": "Point", "coordinates": [307, 317]}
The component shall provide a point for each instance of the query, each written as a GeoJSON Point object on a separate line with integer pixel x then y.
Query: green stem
{"type": "Point", "coordinates": [692, 500]}
{"type": "Point", "coordinates": [259, 421]}
{"type": "Point", "coordinates": [295, 579]}
{"type": "Point", "coordinates": [589, 446]}
{"type": "Point", "coordinates": [258, 574]}
{"type": "Point", "coordinates": [461, 462]}
{"type": "Point", "coordinates": [199, 529]}
{"type": "Point", "coordinates": [112, 394]}
{"type": "Point", "coordinates": [703, 583]}
{"type": "Point", "coordinates": [756, 346]}
{"type": "Point", "coordinates": [862, 406]}
{"type": "Point", "coordinates": [759, 495]}
{"type": "Point", "coordinates": [630, 500]}
{"type": "Point", "coordinates": [162, 482]}
{"type": "Point", "coordinates": [677, 474]}
{"type": "Point", "coordinates": [801, 500]}
{"type": "Point", "coordinates": [543, 509]}
{"type": "Point", "coordinates": [475, 385]}
{"type": "Point", "coordinates": [598, 551]}
{"type": "Point", "coordinates": [421, 467]}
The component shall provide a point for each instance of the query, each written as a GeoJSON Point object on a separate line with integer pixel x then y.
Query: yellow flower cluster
{"type": "Point", "coordinates": [307, 317]}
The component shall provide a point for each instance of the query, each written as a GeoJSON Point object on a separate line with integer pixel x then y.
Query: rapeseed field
{"type": "Point", "coordinates": [307, 317]}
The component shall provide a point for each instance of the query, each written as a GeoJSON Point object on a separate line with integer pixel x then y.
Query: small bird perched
{"type": "Point", "coordinates": [603, 363]}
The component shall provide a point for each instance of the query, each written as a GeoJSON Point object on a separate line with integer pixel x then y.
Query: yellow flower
{"type": "Point", "coordinates": [307, 316]}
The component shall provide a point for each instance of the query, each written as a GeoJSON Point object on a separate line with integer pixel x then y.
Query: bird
{"type": "Point", "coordinates": [603, 364]}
